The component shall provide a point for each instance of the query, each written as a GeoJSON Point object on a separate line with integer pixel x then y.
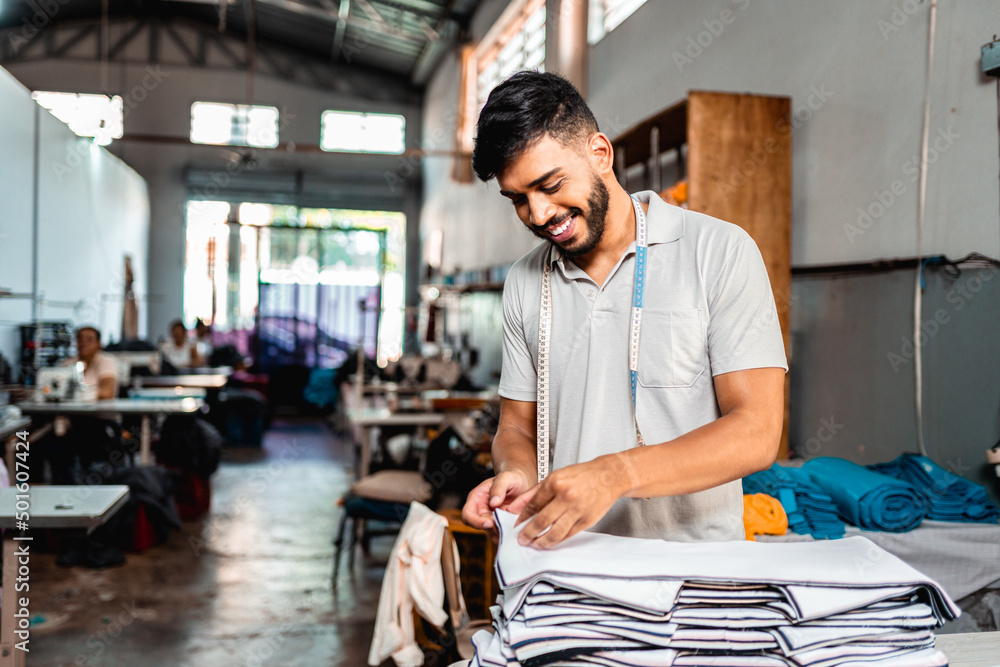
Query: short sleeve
{"type": "Point", "coordinates": [518, 377]}
{"type": "Point", "coordinates": [106, 367]}
{"type": "Point", "coordinates": [743, 327]}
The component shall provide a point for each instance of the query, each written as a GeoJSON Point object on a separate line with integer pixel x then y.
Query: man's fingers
{"type": "Point", "coordinates": [504, 485]}
{"type": "Point", "coordinates": [566, 526]}
{"type": "Point", "coordinates": [541, 521]}
{"type": "Point", "coordinates": [476, 511]}
{"type": "Point", "coordinates": [536, 499]}
{"type": "Point", "coordinates": [517, 505]}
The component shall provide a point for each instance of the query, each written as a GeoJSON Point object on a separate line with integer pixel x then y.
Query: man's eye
{"type": "Point", "coordinates": [552, 188]}
{"type": "Point", "coordinates": [519, 201]}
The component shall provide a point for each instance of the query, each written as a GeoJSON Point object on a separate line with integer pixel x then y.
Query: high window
{"type": "Point", "coordinates": [363, 132]}
{"type": "Point", "coordinates": [606, 15]}
{"type": "Point", "coordinates": [97, 116]}
{"type": "Point", "coordinates": [515, 44]}
{"type": "Point", "coordinates": [234, 124]}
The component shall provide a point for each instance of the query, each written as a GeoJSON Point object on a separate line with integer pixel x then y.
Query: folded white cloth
{"type": "Point", "coordinates": [820, 578]}
{"type": "Point", "coordinates": [623, 602]}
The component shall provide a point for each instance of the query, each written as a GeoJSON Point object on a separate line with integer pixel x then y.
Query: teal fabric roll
{"type": "Point", "coordinates": [868, 499]}
{"type": "Point", "coordinates": [949, 496]}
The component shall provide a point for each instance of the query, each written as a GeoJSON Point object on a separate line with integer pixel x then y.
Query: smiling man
{"type": "Point", "coordinates": [665, 377]}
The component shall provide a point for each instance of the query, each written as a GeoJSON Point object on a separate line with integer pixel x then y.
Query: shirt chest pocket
{"type": "Point", "coordinates": [673, 349]}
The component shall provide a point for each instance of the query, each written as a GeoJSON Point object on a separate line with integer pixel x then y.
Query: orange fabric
{"type": "Point", "coordinates": [763, 515]}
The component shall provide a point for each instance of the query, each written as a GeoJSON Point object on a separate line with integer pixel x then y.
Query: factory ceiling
{"type": "Point", "coordinates": [401, 40]}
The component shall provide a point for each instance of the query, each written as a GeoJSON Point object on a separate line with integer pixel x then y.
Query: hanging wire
{"type": "Point", "coordinates": [918, 365]}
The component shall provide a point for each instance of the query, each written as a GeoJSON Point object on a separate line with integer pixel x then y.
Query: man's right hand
{"type": "Point", "coordinates": [508, 491]}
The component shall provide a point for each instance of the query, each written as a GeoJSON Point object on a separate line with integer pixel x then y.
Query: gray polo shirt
{"type": "Point", "coordinates": [708, 310]}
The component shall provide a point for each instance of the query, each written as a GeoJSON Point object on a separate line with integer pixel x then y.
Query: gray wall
{"type": "Point", "coordinates": [856, 74]}
{"type": "Point", "coordinates": [857, 88]}
{"type": "Point", "coordinates": [852, 376]}
{"type": "Point", "coordinates": [158, 102]}
{"type": "Point", "coordinates": [92, 210]}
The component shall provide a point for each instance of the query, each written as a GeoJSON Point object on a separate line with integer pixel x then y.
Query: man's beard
{"type": "Point", "coordinates": [595, 220]}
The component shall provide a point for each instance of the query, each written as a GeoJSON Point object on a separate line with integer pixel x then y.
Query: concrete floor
{"type": "Point", "coordinates": [249, 585]}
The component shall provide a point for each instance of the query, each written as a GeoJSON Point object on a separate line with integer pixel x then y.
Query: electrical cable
{"type": "Point", "coordinates": [918, 366]}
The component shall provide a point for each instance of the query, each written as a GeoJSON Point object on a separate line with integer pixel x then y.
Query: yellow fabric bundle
{"type": "Point", "coordinates": [763, 515]}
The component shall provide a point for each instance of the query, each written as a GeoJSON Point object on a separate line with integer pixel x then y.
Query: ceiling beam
{"type": "Point", "coordinates": [358, 80]}
{"type": "Point", "coordinates": [341, 30]}
{"type": "Point", "coordinates": [331, 16]}
{"type": "Point", "coordinates": [182, 45]}
{"type": "Point", "coordinates": [18, 44]}
{"type": "Point", "coordinates": [126, 38]}
{"type": "Point", "coordinates": [435, 50]}
{"type": "Point", "coordinates": [75, 39]}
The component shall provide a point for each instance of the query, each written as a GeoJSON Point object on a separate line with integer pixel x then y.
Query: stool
{"type": "Point", "coordinates": [383, 496]}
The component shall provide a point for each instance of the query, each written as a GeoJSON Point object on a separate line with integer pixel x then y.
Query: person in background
{"type": "Point", "coordinates": [203, 339]}
{"type": "Point", "coordinates": [99, 369]}
{"type": "Point", "coordinates": [180, 351]}
{"type": "Point", "coordinates": [84, 437]}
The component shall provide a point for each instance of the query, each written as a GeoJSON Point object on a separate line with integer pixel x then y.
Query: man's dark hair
{"type": "Point", "coordinates": [523, 109]}
{"type": "Point", "coordinates": [177, 323]}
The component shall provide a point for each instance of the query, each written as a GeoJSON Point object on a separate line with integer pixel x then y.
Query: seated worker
{"type": "Point", "coordinates": [100, 372]}
{"type": "Point", "coordinates": [180, 351]}
{"type": "Point", "coordinates": [83, 438]}
{"type": "Point", "coordinates": [203, 339]}
{"type": "Point", "coordinates": [665, 377]}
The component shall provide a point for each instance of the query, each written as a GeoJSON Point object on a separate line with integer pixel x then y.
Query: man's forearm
{"type": "Point", "coordinates": [514, 450]}
{"type": "Point", "coordinates": [731, 447]}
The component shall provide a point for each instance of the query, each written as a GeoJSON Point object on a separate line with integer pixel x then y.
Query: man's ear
{"type": "Point", "coordinates": [601, 153]}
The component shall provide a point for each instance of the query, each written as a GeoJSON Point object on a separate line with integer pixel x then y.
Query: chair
{"type": "Point", "coordinates": [446, 467]}
{"type": "Point", "coordinates": [412, 583]}
{"type": "Point", "coordinates": [382, 496]}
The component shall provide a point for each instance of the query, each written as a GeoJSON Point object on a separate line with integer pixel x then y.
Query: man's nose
{"type": "Point", "coordinates": [541, 211]}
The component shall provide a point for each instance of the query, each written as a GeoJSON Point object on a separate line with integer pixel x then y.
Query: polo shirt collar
{"type": "Point", "coordinates": [665, 224]}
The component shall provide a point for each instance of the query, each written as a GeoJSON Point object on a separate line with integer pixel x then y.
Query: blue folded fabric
{"type": "Point", "coordinates": [950, 497]}
{"type": "Point", "coordinates": [866, 498]}
{"type": "Point", "coordinates": [810, 511]}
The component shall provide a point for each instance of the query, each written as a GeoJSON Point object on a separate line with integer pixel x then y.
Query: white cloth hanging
{"type": "Point", "coordinates": [413, 579]}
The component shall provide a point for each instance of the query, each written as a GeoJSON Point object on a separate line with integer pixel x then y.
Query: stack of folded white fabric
{"type": "Point", "coordinates": [618, 601]}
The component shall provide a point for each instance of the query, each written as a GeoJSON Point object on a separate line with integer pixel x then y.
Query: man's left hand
{"type": "Point", "coordinates": [571, 499]}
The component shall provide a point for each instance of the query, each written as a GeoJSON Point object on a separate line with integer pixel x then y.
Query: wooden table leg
{"type": "Point", "coordinates": [365, 460]}
{"type": "Point", "coordinates": [145, 442]}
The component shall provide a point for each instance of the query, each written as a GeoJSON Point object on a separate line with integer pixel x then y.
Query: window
{"type": "Point", "coordinates": [363, 132]}
{"type": "Point", "coordinates": [234, 124]}
{"type": "Point", "coordinates": [519, 44]}
{"type": "Point", "coordinates": [606, 15]}
{"type": "Point", "coordinates": [295, 276]}
{"type": "Point", "coordinates": [95, 116]}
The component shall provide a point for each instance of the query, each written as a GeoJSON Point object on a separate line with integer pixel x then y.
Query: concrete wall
{"type": "Point", "coordinates": [857, 81]}
{"type": "Point", "coordinates": [856, 74]}
{"type": "Point", "coordinates": [158, 102]}
{"type": "Point", "coordinates": [92, 210]}
{"type": "Point", "coordinates": [17, 160]}
{"type": "Point", "coordinates": [852, 376]}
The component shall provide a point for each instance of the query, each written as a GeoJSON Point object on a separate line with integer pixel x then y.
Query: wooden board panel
{"type": "Point", "coordinates": [740, 170]}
